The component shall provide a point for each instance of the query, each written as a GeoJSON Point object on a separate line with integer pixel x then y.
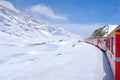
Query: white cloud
{"type": "Point", "coordinates": [46, 11]}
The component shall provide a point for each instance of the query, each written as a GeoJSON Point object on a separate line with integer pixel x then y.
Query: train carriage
{"type": "Point", "coordinates": [110, 44]}
{"type": "Point", "coordinates": [113, 52]}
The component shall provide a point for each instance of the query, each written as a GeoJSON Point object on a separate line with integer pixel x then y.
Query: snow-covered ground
{"type": "Point", "coordinates": [58, 60]}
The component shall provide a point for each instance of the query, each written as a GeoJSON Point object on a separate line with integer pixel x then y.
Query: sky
{"type": "Point", "coordinates": [78, 16]}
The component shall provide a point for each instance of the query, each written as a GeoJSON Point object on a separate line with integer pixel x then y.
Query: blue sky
{"type": "Point", "coordinates": [80, 13]}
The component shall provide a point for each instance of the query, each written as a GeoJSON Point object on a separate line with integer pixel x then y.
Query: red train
{"type": "Point", "coordinates": [111, 45]}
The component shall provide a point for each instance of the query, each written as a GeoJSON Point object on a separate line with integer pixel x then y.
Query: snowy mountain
{"type": "Point", "coordinates": [104, 31]}
{"type": "Point", "coordinates": [108, 29]}
{"type": "Point", "coordinates": [16, 24]}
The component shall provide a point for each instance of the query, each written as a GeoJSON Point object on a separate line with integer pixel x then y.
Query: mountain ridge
{"type": "Point", "coordinates": [14, 23]}
{"type": "Point", "coordinates": [103, 31]}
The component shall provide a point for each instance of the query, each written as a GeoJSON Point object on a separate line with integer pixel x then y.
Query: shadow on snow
{"type": "Point", "coordinates": [107, 68]}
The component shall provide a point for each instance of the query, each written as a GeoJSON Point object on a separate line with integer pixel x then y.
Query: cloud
{"type": "Point", "coordinates": [84, 30]}
{"type": "Point", "coordinates": [46, 11]}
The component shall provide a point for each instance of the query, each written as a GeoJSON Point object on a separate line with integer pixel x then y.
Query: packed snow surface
{"type": "Point", "coordinates": [57, 60]}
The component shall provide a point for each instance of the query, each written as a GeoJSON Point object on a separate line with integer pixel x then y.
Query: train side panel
{"type": "Point", "coordinates": [113, 53]}
{"type": "Point", "coordinates": [110, 52]}
{"type": "Point", "coordinates": [117, 56]}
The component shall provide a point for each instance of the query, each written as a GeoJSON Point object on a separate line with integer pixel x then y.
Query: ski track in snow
{"type": "Point", "coordinates": [53, 61]}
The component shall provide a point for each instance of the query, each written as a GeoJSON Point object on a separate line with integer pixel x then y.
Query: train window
{"type": "Point", "coordinates": [114, 40]}
{"type": "Point", "coordinates": [112, 45]}
{"type": "Point", "coordinates": [108, 43]}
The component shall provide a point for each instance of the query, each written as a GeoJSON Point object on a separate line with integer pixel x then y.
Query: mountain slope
{"type": "Point", "coordinates": [16, 25]}
{"type": "Point", "coordinates": [103, 31]}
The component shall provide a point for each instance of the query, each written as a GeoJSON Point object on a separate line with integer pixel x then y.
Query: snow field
{"type": "Point", "coordinates": [53, 61]}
